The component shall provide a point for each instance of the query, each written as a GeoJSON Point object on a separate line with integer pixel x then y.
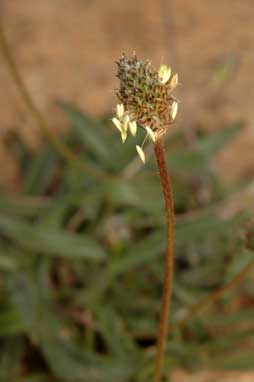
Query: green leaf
{"type": "Point", "coordinates": [49, 241]}
{"type": "Point", "coordinates": [120, 344]}
{"type": "Point", "coordinates": [69, 363]}
{"type": "Point", "coordinates": [205, 149]}
{"type": "Point", "coordinates": [140, 253]}
{"type": "Point", "coordinates": [91, 132]}
{"type": "Point", "coordinates": [10, 353]}
{"type": "Point", "coordinates": [217, 140]}
{"type": "Point", "coordinates": [24, 300]}
{"type": "Point", "coordinates": [22, 205]}
{"type": "Point", "coordinates": [40, 172]}
{"type": "Point", "coordinates": [243, 316]}
{"type": "Point", "coordinates": [8, 262]}
{"type": "Point", "coordinates": [134, 194]}
{"type": "Point", "coordinates": [10, 321]}
{"type": "Point", "coordinates": [240, 261]}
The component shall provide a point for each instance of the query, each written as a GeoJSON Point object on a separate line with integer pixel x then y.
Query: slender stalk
{"type": "Point", "coordinates": [60, 147]}
{"type": "Point", "coordinates": [169, 259]}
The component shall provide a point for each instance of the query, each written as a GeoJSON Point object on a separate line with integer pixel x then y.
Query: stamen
{"type": "Point", "coordinates": [117, 123]}
{"type": "Point", "coordinates": [123, 136]}
{"type": "Point", "coordinates": [119, 110]}
{"type": "Point", "coordinates": [147, 135]}
{"type": "Point", "coordinates": [174, 81]}
{"type": "Point", "coordinates": [133, 128]}
{"type": "Point", "coordinates": [126, 123]}
{"type": "Point", "coordinates": [151, 133]}
{"type": "Point", "coordinates": [173, 110]}
{"type": "Point", "coordinates": [164, 73]}
{"type": "Point", "coordinates": [141, 153]}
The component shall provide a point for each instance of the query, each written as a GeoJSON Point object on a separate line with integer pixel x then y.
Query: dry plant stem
{"type": "Point", "coordinates": [61, 148]}
{"type": "Point", "coordinates": [169, 259]}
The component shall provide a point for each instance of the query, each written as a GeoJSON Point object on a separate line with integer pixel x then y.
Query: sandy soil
{"type": "Point", "coordinates": [206, 376]}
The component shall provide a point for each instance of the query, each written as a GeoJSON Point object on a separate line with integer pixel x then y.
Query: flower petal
{"type": "Point", "coordinates": [141, 153]}
{"type": "Point", "coordinates": [133, 128]}
{"type": "Point", "coordinates": [150, 133]}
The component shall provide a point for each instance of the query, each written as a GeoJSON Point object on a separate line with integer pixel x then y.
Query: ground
{"type": "Point", "coordinates": [215, 376]}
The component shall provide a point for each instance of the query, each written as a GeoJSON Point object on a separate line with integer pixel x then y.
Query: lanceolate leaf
{"type": "Point", "coordinates": [91, 133]}
{"type": "Point", "coordinates": [50, 242]}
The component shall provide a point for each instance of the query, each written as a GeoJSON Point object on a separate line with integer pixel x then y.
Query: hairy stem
{"type": "Point", "coordinates": [169, 259]}
{"type": "Point", "coordinates": [61, 148]}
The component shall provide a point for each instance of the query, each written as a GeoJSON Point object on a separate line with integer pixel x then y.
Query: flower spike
{"type": "Point", "coordinates": [146, 99]}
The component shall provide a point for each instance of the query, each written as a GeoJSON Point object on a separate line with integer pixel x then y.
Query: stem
{"type": "Point", "coordinates": [169, 259]}
{"type": "Point", "coordinates": [60, 147]}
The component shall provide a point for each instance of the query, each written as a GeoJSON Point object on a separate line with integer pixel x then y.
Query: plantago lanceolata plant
{"type": "Point", "coordinates": [147, 102]}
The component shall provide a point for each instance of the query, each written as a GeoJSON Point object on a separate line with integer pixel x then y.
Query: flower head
{"type": "Point", "coordinates": [146, 98]}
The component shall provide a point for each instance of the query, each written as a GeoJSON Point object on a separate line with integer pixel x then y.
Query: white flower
{"type": "Point", "coordinates": [173, 110]}
{"type": "Point", "coordinates": [141, 153]}
{"type": "Point", "coordinates": [150, 133]}
{"type": "Point", "coordinates": [119, 110]}
{"type": "Point", "coordinates": [133, 128]}
{"type": "Point", "coordinates": [164, 73]}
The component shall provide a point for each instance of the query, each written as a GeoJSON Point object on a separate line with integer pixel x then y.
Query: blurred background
{"type": "Point", "coordinates": [65, 53]}
{"type": "Point", "coordinates": [67, 50]}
